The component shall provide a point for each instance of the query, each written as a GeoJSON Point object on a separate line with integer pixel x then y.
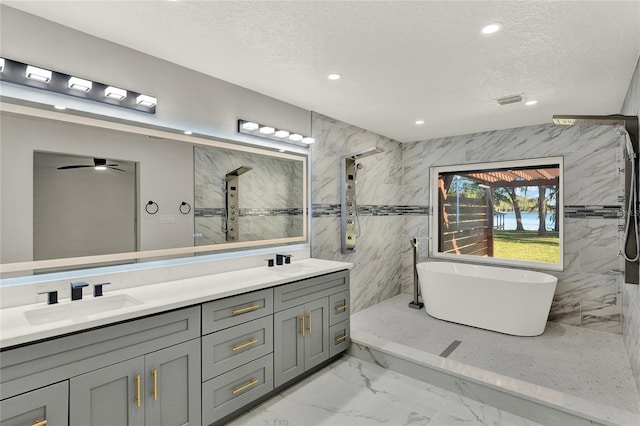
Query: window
{"type": "Point", "coordinates": [505, 213]}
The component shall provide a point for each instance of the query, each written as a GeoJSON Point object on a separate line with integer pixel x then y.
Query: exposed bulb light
{"type": "Point", "coordinates": [115, 93]}
{"type": "Point", "coordinates": [60, 107]}
{"type": "Point", "coordinates": [1, 64]}
{"type": "Point", "coordinates": [334, 76]}
{"type": "Point", "coordinates": [419, 122]}
{"type": "Point", "coordinates": [80, 84]}
{"type": "Point", "coordinates": [282, 134]}
{"type": "Point", "coordinates": [148, 101]}
{"type": "Point", "coordinates": [188, 132]}
{"type": "Point", "coordinates": [38, 74]}
{"type": "Point", "coordinates": [491, 28]}
{"type": "Point", "coordinates": [100, 167]}
{"type": "Point", "coordinates": [531, 102]}
{"type": "Point", "coordinates": [250, 126]}
{"type": "Point", "coordinates": [266, 130]}
{"type": "Point", "coordinates": [308, 140]}
{"type": "Point", "coordinates": [295, 137]}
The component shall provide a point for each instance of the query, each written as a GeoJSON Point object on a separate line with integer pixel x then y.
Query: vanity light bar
{"type": "Point", "coordinates": [29, 75]}
{"type": "Point", "coordinates": [268, 132]}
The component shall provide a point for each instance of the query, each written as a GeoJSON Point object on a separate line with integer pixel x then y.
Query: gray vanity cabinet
{"type": "Point", "coordinates": [49, 404]}
{"type": "Point", "coordinates": [159, 388]}
{"type": "Point", "coordinates": [301, 323]}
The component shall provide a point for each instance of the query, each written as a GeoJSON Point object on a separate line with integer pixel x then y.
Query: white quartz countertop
{"type": "Point", "coordinates": [28, 323]}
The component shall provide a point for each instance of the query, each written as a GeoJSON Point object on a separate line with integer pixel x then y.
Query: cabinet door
{"type": "Point", "coordinates": [288, 344]}
{"type": "Point", "coordinates": [173, 386]}
{"type": "Point", "coordinates": [49, 403]}
{"type": "Point", "coordinates": [316, 340]}
{"type": "Point", "coordinates": [108, 396]}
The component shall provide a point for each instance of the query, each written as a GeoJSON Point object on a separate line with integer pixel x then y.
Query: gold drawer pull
{"type": "Point", "coordinates": [302, 328]}
{"type": "Point", "coordinates": [243, 310]}
{"type": "Point", "coordinates": [243, 387]}
{"type": "Point", "coordinates": [341, 308]}
{"type": "Point", "coordinates": [244, 345]}
{"type": "Point", "coordinates": [341, 338]}
{"type": "Point", "coordinates": [154, 392]}
{"type": "Point", "coordinates": [309, 328]}
{"type": "Point", "coordinates": [37, 422]}
{"type": "Point", "coordinates": [138, 400]}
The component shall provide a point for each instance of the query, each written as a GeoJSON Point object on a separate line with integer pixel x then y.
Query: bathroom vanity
{"type": "Point", "coordinates": [194, 351]}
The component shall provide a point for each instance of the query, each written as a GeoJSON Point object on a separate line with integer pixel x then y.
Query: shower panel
{"type": "Point", "coordinates": [349, 222]}
{"type": "Point", "coordinates": [232, 207]}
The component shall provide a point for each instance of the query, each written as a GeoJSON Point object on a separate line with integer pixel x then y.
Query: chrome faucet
{"type": "Point", "coordinates": [76, 289]}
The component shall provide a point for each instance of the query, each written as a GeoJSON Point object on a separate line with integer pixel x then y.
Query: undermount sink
{"type": "Point", "coordinates": [293, 269]}
{"type": "Point", "coordinates": [79, 310]}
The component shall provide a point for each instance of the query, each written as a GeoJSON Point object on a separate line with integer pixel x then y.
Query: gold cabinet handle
{"type": "Point", "coordinates": [37, 422]}
{"type": "Point", "coordinates": [341, 308]}
{"type": "Point", "coordinates": [302, 328]}
{"type": "Point", "coordinates": [246, 386]}
{"type": "Point", "coordinates": [138, 380]}
{"type": "Point", "coordinates": [341, 338]}
{"type": "Point", "coordinates": [247, 309]}
{"type": "Point", "coordinates": [309, 316]}
{"type": "Point", "coordinates": [244, 345]}
{"type": "Point", "coordinates": [154, 392]}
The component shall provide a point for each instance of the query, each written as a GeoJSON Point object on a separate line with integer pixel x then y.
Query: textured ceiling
{"type": "Point", "coordinates": [400, 61]}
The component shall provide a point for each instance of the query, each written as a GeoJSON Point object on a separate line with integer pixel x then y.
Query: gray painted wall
{"type": "Point", "coordinates": [631, 293]}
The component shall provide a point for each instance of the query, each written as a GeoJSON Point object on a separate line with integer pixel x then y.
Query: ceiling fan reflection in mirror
{"type": "Point", "coordinates": [98, 164]}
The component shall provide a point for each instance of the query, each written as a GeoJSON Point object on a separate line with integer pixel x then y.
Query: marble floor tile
{"type": "Point", "coordinates": [354, 392]}
{"type": "Point", "coordinates": [588, 364]}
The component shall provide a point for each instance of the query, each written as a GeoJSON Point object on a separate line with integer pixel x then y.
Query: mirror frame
{"type": "Point", "coordinates": [495, 261]}
{"type": "Point", "coordinates": [301, 154]}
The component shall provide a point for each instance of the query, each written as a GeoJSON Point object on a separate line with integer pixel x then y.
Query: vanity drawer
{"type": "Point", "coordinates": [233, 390]}
{"type": "Point", "coordinates": [228, 349]}
{"type": "Point", "coordinates": [304, 291]}
{"type": "Point", "coordinates": [338, 307]}
{"type": "Point", "coordinates": [339, 338]}
{"type": "Point", "coordinates": [225, 313]}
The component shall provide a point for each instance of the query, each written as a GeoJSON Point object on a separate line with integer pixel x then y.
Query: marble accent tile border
{"type": "Point", "coordinates": [211, 212]}
{"type": "Point", "coordinates": [538, 403]}
{"type": "Point", "coordinates": [570, 211]}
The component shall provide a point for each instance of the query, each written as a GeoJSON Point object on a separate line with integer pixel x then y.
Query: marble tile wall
{"type": "Point", "coordinates": [588, 288]}
{"type": "Point", "coordinates": [378, 259]}
{"type": "Point", "coordinates": [270, 195]}
{"type": "Point", "coordinates": [631, 293]}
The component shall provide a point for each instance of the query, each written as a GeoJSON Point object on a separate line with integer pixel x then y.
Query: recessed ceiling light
{"type": "Point", "coordinates": [267, 130]}
{"type": "Point", "coordinates": [282, 134]}
{"type": "Point", "coordinates": [188, 132]}
{"type": "Point", "coordinates": [334, 76]}
{"type": "Point", "coordinates": [1, 64]}
{"type": "Point", "coordinates": [282, 150]}
{"type": "Point", "coordinates": [39, 74]}
{"type": "Point", "coordinates": [491, 28]}
{"type": "Point", "coordinates": [80, 84]}
{"type": "Point", "coordinates": [531, 102]}
{"type": "Point", "coordinates": [250, 126]}
{"type": "Point", "coordinates": [295, 137]}
{"type": "Point", "coordinates": [308, 140]}
{"type": "Point", "coordinates": [60, 107]}
{"type": "Point", "coordinates": [419, 122]}
{"type": "Point", "coordinates": [148, 101]}
{"type": "Point", "coordinates": [115, 93]}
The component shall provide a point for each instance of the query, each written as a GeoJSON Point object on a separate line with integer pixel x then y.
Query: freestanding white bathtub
{"type": "Point", "coordinates": [510, 301]}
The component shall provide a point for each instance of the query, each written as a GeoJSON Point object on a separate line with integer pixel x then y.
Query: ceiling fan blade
{"type": "Point", "coordinates": [77, 166]}
{"type": "Point", "coordinates": [115, 168]}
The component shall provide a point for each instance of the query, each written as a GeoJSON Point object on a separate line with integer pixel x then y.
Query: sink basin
{"type": "Point", "coordinates": [293, 269]}
{"type": "Point", "coordinates": [79, 310]}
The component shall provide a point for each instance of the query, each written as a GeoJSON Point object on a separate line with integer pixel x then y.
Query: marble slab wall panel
{"type": "Point", "coordinates": [631, 293]}
{"type": "Point", "coordinates": [587, 292]}
{"type": "Point", "coordinates": [378, 257]}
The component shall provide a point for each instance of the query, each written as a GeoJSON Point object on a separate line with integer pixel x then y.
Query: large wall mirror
{"type": "Point", "coordinates": [79, 191]}
{"type": "Point", "coordinates": [503, 213]}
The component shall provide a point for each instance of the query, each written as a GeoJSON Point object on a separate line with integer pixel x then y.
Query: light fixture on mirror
{"type": "Point", "coordinates": [269, 132]}
{"type": "Point", "coordinates": [115, 93]}
{"type": "Point", "coordinates": [80, 84]}
{"type": "Point", "coordinates": [53, 81]}
{"type": "Point", "coordinates": [38, 74]}
{"type": "Point", "coordinates": [145, 100]}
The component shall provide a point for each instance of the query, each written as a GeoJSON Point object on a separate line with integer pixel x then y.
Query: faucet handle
{"type": "Point", "coordinates": [97, 289]}
{"type": "Point", "coordinates": [79, 284]}
{"type": "Point", "coordinates": [52, 296]}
